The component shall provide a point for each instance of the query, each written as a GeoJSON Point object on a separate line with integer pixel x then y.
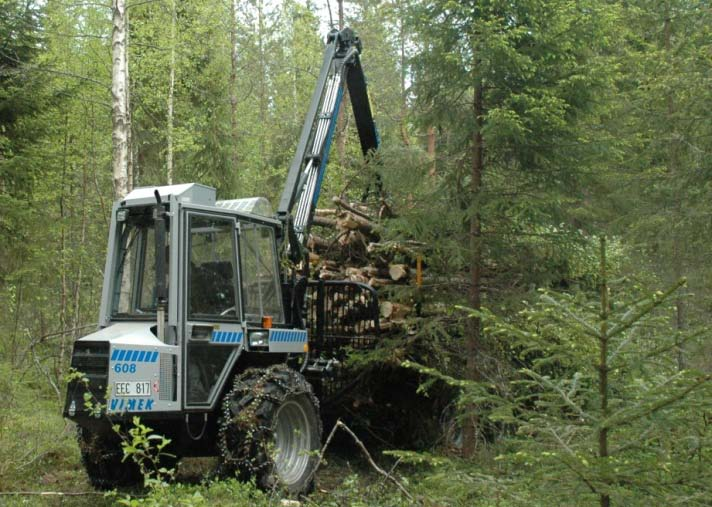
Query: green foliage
{"type": "Point", "coordinates": [227, 492]}
{"type": "Point", "coordinates": [600, 406]}
{"type": "Point", "coordinates": [147, 450]}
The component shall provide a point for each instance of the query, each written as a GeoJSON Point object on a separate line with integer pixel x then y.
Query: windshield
{"type": "Point", "coordinates": [135, 276]}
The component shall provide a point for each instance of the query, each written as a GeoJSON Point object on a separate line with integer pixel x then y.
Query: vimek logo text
{"type": "Point", "coordinates": [130, 404]}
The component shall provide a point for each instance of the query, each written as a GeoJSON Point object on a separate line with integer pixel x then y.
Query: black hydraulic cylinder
{"type": "Point", "coordinates": [341, 65]}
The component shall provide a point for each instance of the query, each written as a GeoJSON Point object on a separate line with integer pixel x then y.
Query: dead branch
{"type": "Point", "coordinates": [43, 338]}
{"type": "Point", "coordinates": [343, 204]}
{"type": "Point", "coordinates": [358, 442]}
{"type": "Point", "coordinates": [46, 374]}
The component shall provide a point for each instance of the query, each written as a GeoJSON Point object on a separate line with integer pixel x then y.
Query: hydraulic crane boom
{"type": "Point", "coordinates": [341, 68]}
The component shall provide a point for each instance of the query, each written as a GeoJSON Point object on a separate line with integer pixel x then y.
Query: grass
{"type": "Point", "coordinates": [38, 450]}
{"type": "Point", "coordinates": [39, 454]}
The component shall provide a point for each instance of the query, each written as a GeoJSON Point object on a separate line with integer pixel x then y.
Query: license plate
{"type": "Point", "coordinates": [132, 389]}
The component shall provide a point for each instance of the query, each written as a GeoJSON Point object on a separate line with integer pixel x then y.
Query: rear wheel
{"type": "Point", "coordinates": [270, 429]}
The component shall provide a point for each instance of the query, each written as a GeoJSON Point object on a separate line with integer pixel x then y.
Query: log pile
{"type": "Point", "coordinates": [345, 244]}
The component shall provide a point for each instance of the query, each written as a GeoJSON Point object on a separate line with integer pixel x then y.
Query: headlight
{"type": "Point", "coordinates": [258, 339]}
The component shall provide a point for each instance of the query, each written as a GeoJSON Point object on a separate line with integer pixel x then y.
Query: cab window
{"type": "Point", "coordinates": [134, 294]}
{"type": "Point", "coordinates": [212, 276]}
{"type": "Point", "coordinates": [260, 276]}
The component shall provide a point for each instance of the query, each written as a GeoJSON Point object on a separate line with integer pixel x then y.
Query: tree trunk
{"type": "Point", "coordinates": [132, 169]}
{"type": "Point", "coordinates": [171, 89]}
{"type": "Point", "coordinates": [233, 85]}
{"type": "Point", "coordinates": [63, 253]}
{"type": "Point", "coordinates": [76, 319]}
{"type": "Point", "coordinates": [673, 168]}
{"type": "Point", "coordinates": [403, 74]}
{"type": "Point", "coordinates": [431, 151]}
{"type": "Point", "coordinates": [261, 34]}
{"type": "Point", "coordinates": [474, 330]}
{"type": "Point", "coordinates": [605, 499]}
{"type": "Point", "coordinates": [119, 95]}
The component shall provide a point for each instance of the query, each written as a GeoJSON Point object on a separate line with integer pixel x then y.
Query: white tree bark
{"type": "Point", "coordinates": [132, 169]}
{"type": "Point", "coordinates": [120, 135]}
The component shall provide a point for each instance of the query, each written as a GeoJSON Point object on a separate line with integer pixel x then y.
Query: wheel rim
{"type": "Point", "coordinates": [292, 437]}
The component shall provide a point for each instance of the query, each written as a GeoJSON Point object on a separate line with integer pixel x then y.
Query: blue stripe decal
{"type": "Point", "coordinates": [226, 337]}
{"type": "Point", "coordinates": [288, 336]}
{"type": "Point", "coordinates": [134, 356]}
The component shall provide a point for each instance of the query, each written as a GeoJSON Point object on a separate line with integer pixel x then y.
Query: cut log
{"type": "Point", "coordinates": [397, 272]}
{"type": "Point", "coordinates": [326, 212]}
{"type": "Point", "coordinates": [324, 221]}
{"type": "Point", "coordinates": [351, 221]}
{"type": "Point", "coordinates": [326, 274]}
{"type": "Point", "coordinates": [386, 325]}
{"type": "Point", "coordinates": [379, 282]}
{"type": "Point", "coordinates": [394, 311]}
{"type": "Point", "coordinates": [317, 243]}
{"type": "Point", "coordinates": [357, 278]}
{"type": "Point", "coordinates": [353, 271]}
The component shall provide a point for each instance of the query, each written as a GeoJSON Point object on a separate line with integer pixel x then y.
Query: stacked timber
{"type": "Point", "coordinates": [345, 244]}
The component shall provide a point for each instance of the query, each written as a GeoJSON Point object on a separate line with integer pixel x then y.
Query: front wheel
{"type": "Point", "coordinates": [270, 429]}
{"type": "Point", "coordinates": [104, 462]}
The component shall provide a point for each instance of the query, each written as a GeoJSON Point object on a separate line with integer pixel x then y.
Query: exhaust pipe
{"type": "Point", "coordinates": [161, 290]}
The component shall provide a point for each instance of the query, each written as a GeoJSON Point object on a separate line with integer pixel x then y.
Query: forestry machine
{"type": "Point", "coordinates": [207, 333]}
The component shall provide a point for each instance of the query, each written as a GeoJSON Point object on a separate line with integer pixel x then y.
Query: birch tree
{"type": "Point", "coordinates": [121, 128]}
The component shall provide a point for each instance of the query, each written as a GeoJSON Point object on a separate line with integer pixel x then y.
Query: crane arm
{"type": "Point", "coordinates": [341, 68]}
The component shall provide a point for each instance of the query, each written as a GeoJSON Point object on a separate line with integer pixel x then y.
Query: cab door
{"type": "Point", "coordinates": [213, 334]}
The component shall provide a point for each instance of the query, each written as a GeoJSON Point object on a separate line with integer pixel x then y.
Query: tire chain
{"type": "Point", "coordinates": [247, 428]}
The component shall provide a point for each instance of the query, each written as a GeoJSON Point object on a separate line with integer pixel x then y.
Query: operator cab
{"type": "Point", "coordinates": [224, 296]}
